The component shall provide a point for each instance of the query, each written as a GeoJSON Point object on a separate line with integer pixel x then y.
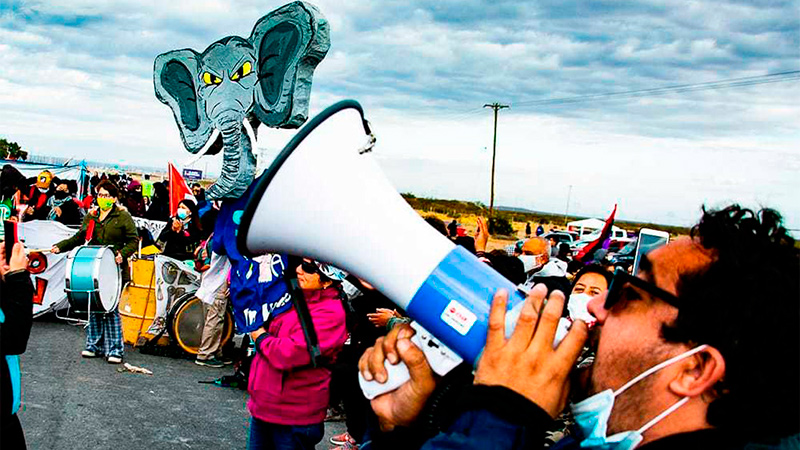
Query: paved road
{"type": "Point", "coordinates": [75, 403]}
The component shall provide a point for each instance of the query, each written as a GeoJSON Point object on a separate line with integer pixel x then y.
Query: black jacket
{"type": "Point", "coordinates": [16, 301]}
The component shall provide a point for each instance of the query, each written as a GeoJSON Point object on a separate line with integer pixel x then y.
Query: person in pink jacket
{"type": "Point", "coordinates": [288, 397]}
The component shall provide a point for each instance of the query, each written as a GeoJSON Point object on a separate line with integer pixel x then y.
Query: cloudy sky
{"type": "Point", "coordinates": [76, 81]}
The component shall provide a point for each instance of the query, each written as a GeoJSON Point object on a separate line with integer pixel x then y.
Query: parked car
{"type": "Point", "coordinates": [560, 236]}
{"type": "Point", "coordinates": [623, 258]}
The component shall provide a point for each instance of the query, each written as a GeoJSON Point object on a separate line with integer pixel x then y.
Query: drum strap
{"type": "Point", "coordinates": [90, 230]}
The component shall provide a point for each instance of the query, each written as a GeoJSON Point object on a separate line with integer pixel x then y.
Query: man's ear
{"type": "Point", "coordinates": [699, 373]}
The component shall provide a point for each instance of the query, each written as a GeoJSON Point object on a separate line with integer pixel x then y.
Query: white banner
{"type": "Point", "coordinates": [173, 279]}
{"type": "Point", "coordinates": [74, 172]}
{"type": "Point", "coordinates": [153, 226]}
{"type": "Point", "coordinates": [47, 270]}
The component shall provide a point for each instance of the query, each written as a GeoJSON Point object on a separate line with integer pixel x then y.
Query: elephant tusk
{"type": "Point", "coordinates": [205, 149]}
{"type": "Point", "coordinates": [250, 134]}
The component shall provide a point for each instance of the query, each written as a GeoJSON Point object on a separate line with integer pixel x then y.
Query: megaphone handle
{"type": "Point", "coordinates": [441, 358]}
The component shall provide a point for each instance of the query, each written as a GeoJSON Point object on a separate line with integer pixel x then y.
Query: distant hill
{"type": "Point", "coordinates": [459, 208]}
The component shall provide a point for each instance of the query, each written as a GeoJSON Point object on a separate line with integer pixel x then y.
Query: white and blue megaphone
{"type": "Point", "coordinates": [325, 197]}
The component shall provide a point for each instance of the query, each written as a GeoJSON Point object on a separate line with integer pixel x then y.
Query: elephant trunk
{"type": "Point", "coordinates": [238, 161]}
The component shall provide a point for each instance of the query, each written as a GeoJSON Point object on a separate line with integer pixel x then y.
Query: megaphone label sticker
{"type": "Point", "coordinates": [458, 317]}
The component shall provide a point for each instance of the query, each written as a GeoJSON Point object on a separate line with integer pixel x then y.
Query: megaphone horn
{"type": "Point", "coordinates": [323, 199]}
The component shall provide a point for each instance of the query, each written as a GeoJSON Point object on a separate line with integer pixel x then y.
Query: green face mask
{"type": "Point", "coordinates": [105, 203]}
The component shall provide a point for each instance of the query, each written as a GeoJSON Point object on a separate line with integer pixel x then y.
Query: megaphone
{"type": "Point", "coordinates": [325, 197]}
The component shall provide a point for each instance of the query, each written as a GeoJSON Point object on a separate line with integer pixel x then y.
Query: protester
{"type": "Point", "coordinates": [112, 226]}
{"type": "Point", "coordinates": [159, 204]}
{"type": "Point", "coordinates": [288, 396]}
{"type": "Point", "coordinates": [685, 357]}
{"type": "Point", "coordinates": [214, 306]}
{"type": "Point", "coordinates": [541, 268]}
{"type": "Point", "coordinates": [135, 199]}
{"type": "Point", "coordinates": [37, 196]}
{"type": "Point", "coordinates": [16, 311]}
{"type": "Point", "coordinates": [64, 207]}
{"type": "Point", "coordinates": [180, 238]}
{"type": "Point", "coordinates": [452, 229]}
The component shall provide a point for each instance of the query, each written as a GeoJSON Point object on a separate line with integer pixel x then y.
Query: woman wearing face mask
{"type": "Point", "coordinates": [180, 237]}
{"type": "Point", "coordinates": [289, 397]}
{"type": "Point", "coordinates": [110, 225]}
{"type": "Point", "coordinates": [63, 206]}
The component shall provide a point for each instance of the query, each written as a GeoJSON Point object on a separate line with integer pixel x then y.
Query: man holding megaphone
{"type": "Point", "coordinates": [661, 326]}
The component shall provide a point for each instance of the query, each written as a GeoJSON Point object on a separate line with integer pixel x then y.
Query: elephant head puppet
{"type": "Point", "coordinates": [220, 96]}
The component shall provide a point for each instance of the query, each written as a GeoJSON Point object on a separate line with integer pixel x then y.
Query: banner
{"type": "Point", "coordinates": [173, 279]}
{"type": "Point", "coordinates": [153, 226]}
{"type": "Point", "coordinates": [47, 270]}
{"type": "Point", "coordinates": [192, 174]}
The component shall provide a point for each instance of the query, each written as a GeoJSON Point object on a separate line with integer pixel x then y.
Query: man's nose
{"type": "Point", "coordinates": [597, 309]}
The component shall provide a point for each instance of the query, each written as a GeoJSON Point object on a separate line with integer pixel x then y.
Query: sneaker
{"type": "Point", "coordinates": [346, 446]}
{"type": "Point", "coordinates": [211, 362]}
{"type": "Point", "coordinates": [225, 360]}
{"type": "Point", "coordinates": [341, 439]}
{"type": "Point", "coordinates": [88, 354]}
{"type": "Point", "coordinates": [114, 360]}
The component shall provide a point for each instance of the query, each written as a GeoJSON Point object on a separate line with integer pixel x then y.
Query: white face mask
{"type": "Point", "coordinates": [578, 307]}
{"type": "Point", "coordinates": [532, 262]}
{"type": "Point", "coordinates": [592, 414]}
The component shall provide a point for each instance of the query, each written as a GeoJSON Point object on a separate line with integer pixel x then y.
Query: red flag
{"type": "Point", "coordinates": [588, 251]}
{"type": "Point", "coordinates": [178, 190]}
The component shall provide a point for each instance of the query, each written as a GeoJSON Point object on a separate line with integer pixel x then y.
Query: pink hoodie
{"type": "Point", "coordinates": [283, 387]}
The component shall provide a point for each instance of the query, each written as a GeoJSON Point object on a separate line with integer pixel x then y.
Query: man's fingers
{"type": "Point", "coordinates": [388, 347]}
{"type": "Point", "coordinates": [570, 347]}
{"type": "Point", "coordinates": [528, 316]}
{"type": "Point", "coordinates": [548, 320]}
{"type": "Point", "coordinates": [363, 364]}
{"type": "Point", "coordinates": [376, 362]}
{"type": "Point", "coordinates": [418, 368]}
{"type": "Point", "coordinates": [495, 337]}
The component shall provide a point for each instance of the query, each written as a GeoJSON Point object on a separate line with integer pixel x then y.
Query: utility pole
{"type": "Point", "coordinates": [496, 107]}
{"type": "Point", "coordinates": [566, 211]}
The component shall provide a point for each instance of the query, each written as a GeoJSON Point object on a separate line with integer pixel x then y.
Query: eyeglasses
{"type": "Point", "coordinates": [309, 267]}
{"type": "Point", "coordinates": [622, 278]}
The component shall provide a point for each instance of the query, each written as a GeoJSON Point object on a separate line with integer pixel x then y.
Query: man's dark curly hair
{"type": "Point", "coordinates": [746, 304]}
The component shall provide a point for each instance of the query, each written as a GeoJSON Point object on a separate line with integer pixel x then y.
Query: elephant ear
{"type": "Point", "coordinates": [289, 43]}
{"type": "Point", "coordinates": [174, 76]}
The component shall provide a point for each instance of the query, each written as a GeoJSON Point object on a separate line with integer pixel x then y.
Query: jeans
{"type": "Point", "coordinates": [270, 436]}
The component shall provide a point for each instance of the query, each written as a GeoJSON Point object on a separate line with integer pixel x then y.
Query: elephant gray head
{"type": "Point", "coordinates": [220, 96]}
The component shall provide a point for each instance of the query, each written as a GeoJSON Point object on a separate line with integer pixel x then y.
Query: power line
{"type": "Point", "coordinates": [681, 88]}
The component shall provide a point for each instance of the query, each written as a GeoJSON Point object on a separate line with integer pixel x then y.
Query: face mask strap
{"type": "Point", "coordinates": [658, 367]}
{"type": "Point", "coordinates": [667, 412]}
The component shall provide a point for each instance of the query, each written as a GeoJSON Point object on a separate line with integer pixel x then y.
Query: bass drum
{"type": "Point", "coordinates": [185, 323]}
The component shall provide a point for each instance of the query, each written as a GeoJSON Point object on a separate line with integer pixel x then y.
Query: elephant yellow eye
{"type": "Point", "coordinates": [243, 71]}
{"type": "Point", "coordinates": [209, 79]}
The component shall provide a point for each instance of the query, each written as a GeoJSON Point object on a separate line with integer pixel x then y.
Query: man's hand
{"type": "Point", "coordinates": [481, 235]}
{"type": "Point", "coordinates": [527, 363]}
{"type": "Point", "coordinates": [177, 225]}
{"type": "Point", "coordinates": [57, 210]}
{"type": "Point", "coordinates": [29, 211]}
{"type": "Point", "coordinates": [381, 316]}
{"type": "Point", "coordinates": [18, 260]}
{"type": "Point", "coordinates": [401, 406]}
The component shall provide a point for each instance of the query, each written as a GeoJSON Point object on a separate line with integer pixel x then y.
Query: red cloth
{"type": "Point", "coordinates": [588, 251]}
{"type": "Point", "coordinates": [178, 190]}
{"type": "Point", "coordinates": [283, 387]}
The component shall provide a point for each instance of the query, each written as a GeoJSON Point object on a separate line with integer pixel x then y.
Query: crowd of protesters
{"type": "Point", "coordinates": [713, 352]}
